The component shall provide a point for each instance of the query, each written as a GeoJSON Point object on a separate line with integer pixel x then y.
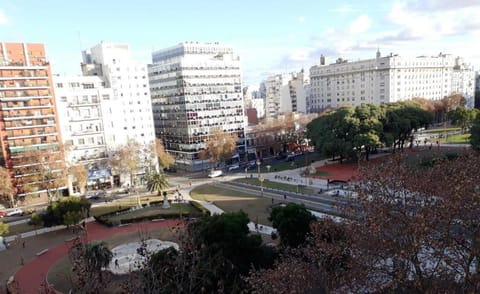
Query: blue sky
{"type": "Point", "coordinates": [270, 36]}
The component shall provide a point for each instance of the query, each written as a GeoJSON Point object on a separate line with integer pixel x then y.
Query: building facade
{"type": "Point", "coordinates": [131, 108]}
{"type": "Point", "coordinates": [85, 111]}
{"type": "Point", "coordinates": [196, 90]}
{"type": "Point", "coordinates": [30, 141]}
{"type": "Point", "coordinates": [285, 93]}
{"type": "Point", "coordinates": [388, 79]}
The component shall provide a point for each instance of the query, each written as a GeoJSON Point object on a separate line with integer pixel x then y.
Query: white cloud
{"type": "Point", "coordinates": [3, 18]}
{"type": "Point", "coordinates": [361, 24]}
{"type": "Point", "coordinates": [344, 9]}
{"type": "Point", "coordinates": [301, 19]}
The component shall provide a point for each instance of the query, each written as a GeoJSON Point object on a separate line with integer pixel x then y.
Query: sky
{"type": "Point", "coordinates": [271, 37]}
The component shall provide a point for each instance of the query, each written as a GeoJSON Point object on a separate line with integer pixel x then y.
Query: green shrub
{"type": "Point", "coordinates": [56, 211]}
{"type": "Point", "coordinates": [200, 207]}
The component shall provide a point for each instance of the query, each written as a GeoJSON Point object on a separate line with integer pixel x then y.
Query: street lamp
{"type": "Point", "coordinates": [246, 170]}
{"type": "Point", "coordinates": [260, 176]}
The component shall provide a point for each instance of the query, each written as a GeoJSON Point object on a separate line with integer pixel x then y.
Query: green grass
{"type": "Point", "coordinates": [176, 209]}
{"type": "Point", "coordinates": [21, 228]}
{"type": "Point", "coordinates": [286, 165]}
{"type": "Point", "coordinates": [277, 185]}
{"type": "Point", "coordinates": [457, 139]}
{"type": "Point", "coordinates": [321, 173]}
{"type": "Point", "coordinates": [441, 130]}
{"type": "Point", "coordinates": [130, 202]}
{"type": "Point", "coordinates": [228, 200]}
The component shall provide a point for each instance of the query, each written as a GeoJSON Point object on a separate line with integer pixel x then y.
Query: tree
{"type": "Point", "coordinates": [73, 207]}
{"type": "Point", "coordinates": [221, 145]}
{"type": "Point", "coordinates": [419, 227]}
{"type": "Point", "coordinates": [3, 229]}
{"type": "Point", "coordinates": [292, 222]}
{"type": "Point", "coordinates": [6, 187]}
{"type": "Point", "coordinates": [320, 266]}
{"type": "Point", "coordinates": [157, 182]}
{"type": "Point", "coordinates": [463, 117]}
{"type": "Point", "coordinates": [80, 176]}
{"type": "Point", "coordinates": [126, 160]}
{"type": "Point", "coordinates": [87, 262]}
{"type": "Point", "coordinates": [475, 134]}
{"type": "Point", "coordinates": [215, 252]}
{"type": "Point", "coordinates": [165, 159]}
{"type": "Point", "coordinates": [400, 120]}
{"type": "Point", "coordinates": [42, 169]}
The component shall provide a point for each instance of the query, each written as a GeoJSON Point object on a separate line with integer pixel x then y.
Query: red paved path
{"type": "Point", "coordinates": [32, 275]}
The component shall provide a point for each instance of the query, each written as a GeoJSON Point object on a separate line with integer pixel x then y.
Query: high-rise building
{"type": "Point", "coordinates": [29, 128]}
{"type": "Point", "coordinates": [285, 93]}
{"type": "Point", "coordinates": [196, 90]}
{"type": "Point", "coordinates": [86, 116]}
{"type": "Point", "coordinates": [388, 79]}
{"type": "Point", "coordinates": [131, 114]}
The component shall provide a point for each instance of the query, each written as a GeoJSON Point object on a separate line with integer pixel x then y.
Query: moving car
{"type": "Point", "coordinates": [15, 212]}
{"type": "Point", "coordinates": [215, 173]}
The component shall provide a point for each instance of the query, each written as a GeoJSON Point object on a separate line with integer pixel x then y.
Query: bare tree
{"type": "Point", "coordinates": [126, 159]}
{"type": "Point", "coordinates": [165, 159]}
{"type": "Point", "coordinates": [7, 190]}
{"type": "Point", "coordinates": [41, 170]}
{"type": "Point", "coordinates": [221, 146]}
{"type": "Point", "coordinates": [80, 176]}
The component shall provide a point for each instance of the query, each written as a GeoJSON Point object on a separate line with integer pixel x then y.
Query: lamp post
{"type": "Point", "coordinates": [260, 176]}
{"type": "Point", "coordinates": [246, 171]}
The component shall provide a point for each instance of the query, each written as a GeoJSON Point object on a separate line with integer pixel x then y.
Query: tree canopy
{"type": "Point", "coordinates": [350, 131]}
{"type": "Point", "coordinates": [292, 222]}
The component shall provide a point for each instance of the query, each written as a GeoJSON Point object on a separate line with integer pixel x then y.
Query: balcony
{"type": "Point", "coordinates": [37, 116]}
{"type": "Point", "coordinates": [23, 86]}
{"type": "Point", "coordinates": [22, 97]}
{"type": "Point", "coordinates": [31, 136]}
{"type": "Point", "coordinates": [27, 107]}
{"type": "Point", "coordinates": [84, 118]}
{"type": "Point", "coordinates": [29, 125]}
{"type": "Point", "coordinates": [86, 132]}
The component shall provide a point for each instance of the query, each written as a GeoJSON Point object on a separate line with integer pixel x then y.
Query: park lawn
{"type": "Point", "coordinates": [286, 165]}
{"type": "Point", "coordinates": [175, 210]}
{"type": "Point", "coordinates": [457, 139]}
{"type": "Point", "coordinates": [441, 130]}
{"type": "Point", "coordinates": [21, 228]}
{"type": "Point", "coordinates": [320, 173]}
{"type": "Point", "coordinates": [277, 185]}
{"type": "Point", "coordinates": [59, 275]}
{"type": "Point", "coordinates": [129, 202]}
{"type": "Point", "coordinates": [229, 200]}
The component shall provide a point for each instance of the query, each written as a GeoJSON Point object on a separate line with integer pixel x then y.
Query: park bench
{"type": "Point", "coordinates": [42, 252]}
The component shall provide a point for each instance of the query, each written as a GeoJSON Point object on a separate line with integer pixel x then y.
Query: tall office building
{"type": "Point", "coordinates": [196, 89]}
{"type": "Point", "coordinates": [285, 93]}
{"type": "Point", "coordinates": [86, 116]}
{"type": "Point", "coordinates": [132, 107]}
{"type": "Point", "coordinates": [388, 79]}
{"type": "Point", "coordinates": [29, 128]}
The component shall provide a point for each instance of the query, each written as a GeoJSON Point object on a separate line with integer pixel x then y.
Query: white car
{"type": "Point", "coordinates": [15, 212]}
{"type": "Point", "coordinates": [233, 167]}
{"type": "Point", "coordinates": [215, 173]}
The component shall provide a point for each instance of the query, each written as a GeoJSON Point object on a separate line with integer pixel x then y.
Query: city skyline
{"type": "Point", "coordinates": [270, 37]}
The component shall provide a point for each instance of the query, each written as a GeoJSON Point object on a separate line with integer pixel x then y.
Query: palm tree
{"type": "Point", "coordinates": [97, 256]}
{"type": "Point", "coordinates": [157, 182]}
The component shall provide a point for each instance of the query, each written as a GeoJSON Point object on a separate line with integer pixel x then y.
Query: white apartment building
{"type": "Point", "coordinates": [132, 111]}
{"type": "Point", "coordinates": [259, 105]}
{"type": "Point", "coordinates": [388, 79]}
{"type": "Point", "coordinates": [196, 89]}
{"type": "Point", "coordinates": [285, 93]}
{"type": "Point", "coordinates": [85, 110]}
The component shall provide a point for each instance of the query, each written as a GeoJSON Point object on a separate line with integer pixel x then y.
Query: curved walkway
{"type": "Point", "coordinates": [32, 275]}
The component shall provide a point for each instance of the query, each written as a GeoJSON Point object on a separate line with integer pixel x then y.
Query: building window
{"type": "Point", "coordinates": [59, 85]}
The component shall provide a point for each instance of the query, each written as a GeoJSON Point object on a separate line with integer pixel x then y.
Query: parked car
{"type": "Point", "coordinates": [2, 214]}
{"type": "Point", "coordinates": [252, 165]}
{"type": "Point", "coordinates": [15, 212]}
{"type": "Point", "coordinates": [215, 173]}
{"type": "Point", "coordinates": [233, 167]}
